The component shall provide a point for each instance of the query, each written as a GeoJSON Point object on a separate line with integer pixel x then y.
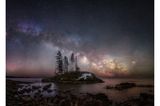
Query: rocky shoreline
{"type": "Point", "coordinates": [67, 98]}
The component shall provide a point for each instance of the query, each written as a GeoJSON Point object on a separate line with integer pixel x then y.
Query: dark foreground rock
{"type": "Point", "coordinates": [144, 99]}
{"type": "Point", "coordinates": [74, 78]}
{"type": "Point", "coordinates": [61, 99]}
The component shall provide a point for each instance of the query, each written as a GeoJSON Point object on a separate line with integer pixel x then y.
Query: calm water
{"type": "Point", "coordinates": [99, 87]}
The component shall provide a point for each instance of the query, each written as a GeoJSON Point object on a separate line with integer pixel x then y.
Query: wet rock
{"type": "Point", "coordinates": [122, 86]}
{"type": "Point", "coordinates": [35, 87]}
{"type": "Point", "coordinates": [147, 86]}
{"type": "Point", "coordinates": [109, 87]}
{"type": "Point", "coordinates": [47, 87]}
{"type": "Point", "coordinates": [49, 90]}
{"type": "Point", "coordinates": [126, 85]}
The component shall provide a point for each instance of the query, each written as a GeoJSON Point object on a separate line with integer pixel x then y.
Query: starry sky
{"type": "Point", "coordinates": [111, 38]}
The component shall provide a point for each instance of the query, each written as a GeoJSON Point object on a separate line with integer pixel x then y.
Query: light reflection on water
{"type": "Point", "coordinates": [100, 87]}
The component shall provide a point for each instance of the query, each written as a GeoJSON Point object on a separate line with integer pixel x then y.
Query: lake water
{"type": "Point", "coordinates": [115, 95]}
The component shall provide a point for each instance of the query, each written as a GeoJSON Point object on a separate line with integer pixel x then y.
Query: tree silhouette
{"type": "Point", "coordinates": [59, 62]}
{"type": "Point", "coordinates": [72, 57]}
{"type": "Point", "coordinates": [66, 63]}
{"type": "Point", "coordinates": [72, 61]}
{"type": "Point", "coordinates": [76, 64]}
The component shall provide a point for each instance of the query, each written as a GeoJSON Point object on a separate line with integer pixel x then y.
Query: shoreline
{"type": "Point", "coordinates": [11, 86]}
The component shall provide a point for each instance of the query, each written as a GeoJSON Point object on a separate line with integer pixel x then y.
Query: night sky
{"type": "Point", "coordinates": [112, 38]}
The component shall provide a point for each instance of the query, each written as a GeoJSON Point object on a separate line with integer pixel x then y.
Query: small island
{"type": "Point", "coordinates": [74, 78]}
{"type": "Point", "coordinates": [69, 72]}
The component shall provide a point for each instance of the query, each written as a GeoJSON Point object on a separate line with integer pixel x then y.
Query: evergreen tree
{"type": "Point", "coordinates": [66, 63]}
{"type": "Point", "coordinates": [72, 62]}
{"type": "Point", "coordinates": [59, 62]}
{"type": "Point", "coordinates": [72, 58]}
{"type": "Point", "coordinates": [76, 64]}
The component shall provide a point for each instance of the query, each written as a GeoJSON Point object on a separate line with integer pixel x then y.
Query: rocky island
{"type": "Point", "coordinates": [74, 78]}
{"type": "Point", "coordinates": [68, 71]}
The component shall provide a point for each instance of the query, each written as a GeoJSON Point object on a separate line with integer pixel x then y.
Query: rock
{"type": "Point", "coordinates": [49, 90]}
{"type": "Point", "coordinates": [103, 98]}
{"type": "Point", "coordinates": [35, 87]}
{"type": "Point", "coordinates": [147, 86]}
{"type": "Point", "coordinates": [126, 85]}
{"type": "Point", "coordinates": [144, 99]}
{"type": "Point", "coordinates": [46, 87]}
{"type": "Point", "coordinates": [109, 87]}
{"type": "Point", "coordinates": [146, 96]}
{"type": "Point", "coordinates": [122, 86]}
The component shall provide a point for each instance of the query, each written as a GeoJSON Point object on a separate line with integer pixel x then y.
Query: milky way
{"type": "Point", "coordinates": [111, 38]}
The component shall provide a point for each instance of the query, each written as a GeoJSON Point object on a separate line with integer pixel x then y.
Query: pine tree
{"type": "Point", "coordinates": [72, 61]}
{"type": "Point", "coordinates": [72, 57]}
{"type": "Point", "coordinates": [76, 64]}
{"type": "Point", "coordinates": [59, 62]}
{"type": "Point", "coordinates": [66, 63]}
